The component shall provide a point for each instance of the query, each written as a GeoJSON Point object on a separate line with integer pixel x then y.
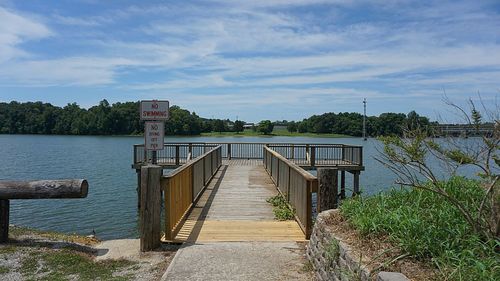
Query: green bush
{"type": "Point", "coordinates": [427, 227]}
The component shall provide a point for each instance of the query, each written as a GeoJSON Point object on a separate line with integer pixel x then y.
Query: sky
{"type": "Point", "coordinates": [253, 59]}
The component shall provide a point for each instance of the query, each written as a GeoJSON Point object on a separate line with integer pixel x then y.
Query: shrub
{"type": "Point", "coordinates": [427, 227]}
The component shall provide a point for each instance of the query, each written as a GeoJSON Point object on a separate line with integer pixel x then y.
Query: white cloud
{"type": "Point", "coordinates": [16, 29]}
{"type": "Point", "coordinates": [267, 52]}
{"type": "Point", "coordinates": [280, 3]}
{"type": "Point", "coordinates": [67, 71]}
{"type": "Point", "coordinates": [78, 21]}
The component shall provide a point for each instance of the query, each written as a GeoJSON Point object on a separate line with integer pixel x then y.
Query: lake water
{"type": "Point", "coordinates": [111, 206]}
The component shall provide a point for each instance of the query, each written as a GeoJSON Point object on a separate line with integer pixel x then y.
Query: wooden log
{"type": "Point", "coordinates": [44, 189]}
{"type": "Point", "coordinates": [149, 214]}
{"type": "Point", "coordinates": [328, 188]}
{"type": "Point", "coordinates": [4, 220]}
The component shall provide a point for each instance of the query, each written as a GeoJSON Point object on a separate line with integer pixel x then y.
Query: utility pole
{"type": "Point", "coordinates": [364, 119]}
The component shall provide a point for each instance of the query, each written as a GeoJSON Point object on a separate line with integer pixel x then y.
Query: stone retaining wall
{"type": "Point", "coordinates": [333, 259]}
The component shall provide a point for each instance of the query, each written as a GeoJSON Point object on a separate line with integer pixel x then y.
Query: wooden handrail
{"type": "Point", "coordinates": [190, 163]}
{"type": "Point", "coordinates": [184, 185]}
{"type": "Point", "coordinates": [292, 165]}
{"type": "Point", "coordinates": [295, 185]}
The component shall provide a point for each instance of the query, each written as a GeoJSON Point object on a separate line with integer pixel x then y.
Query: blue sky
{"type": "Point", "coordinates": [260, 59]}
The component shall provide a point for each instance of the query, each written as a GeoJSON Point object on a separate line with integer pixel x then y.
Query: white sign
{"type": "Point", "coordinates": [154, 110]}
{"type": "Point", "coordinates": [153, 135]}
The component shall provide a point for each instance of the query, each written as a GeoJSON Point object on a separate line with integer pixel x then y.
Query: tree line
{"type": "Point", "coordinates": [123, 119]}
{"type": "Point", "coordinates": [345, 123]}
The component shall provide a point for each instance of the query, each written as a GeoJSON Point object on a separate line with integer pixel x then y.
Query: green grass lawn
{"type": "Point", "coordinates": [285, 133]}
{"type": "Point", "coordinates": [426, 227]}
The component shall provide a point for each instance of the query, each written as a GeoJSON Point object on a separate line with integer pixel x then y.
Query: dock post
{"type": "Point", "coordinates": [4, 220]}
{"type": "Point", "coordinates": [342, 185]}
{"type": "Point", "coordinates": [229, 151]}
{"type": "Point", "coordinates": [355, 190]}
{"type": "Point", "coordinates": [138, 171]}
{"type": "Point", "coordinates": [177, 155]}
{"type": "Point", "coordinates": [328, 188]}
{"type": "Point", "coordinates": [149, 215]}
{"type": "Point", "coordinates": [308, 156]}
{"type": "Point", "coordinates": [154, 157]}
{"type": "Point", "coordinates": [313, 156]}
{"type": "Point", "coordinates": [343, 152]}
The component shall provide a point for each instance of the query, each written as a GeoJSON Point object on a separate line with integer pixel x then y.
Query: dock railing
{"type": "Point", "coordinates": [295, 184]}
{"type": "Point", "coordinates": [182, 187]}
{"type": "Point", "coordinates": [176, 154]}
{"type": "Point", "coordinates": [320, 154]}
{"type": "Point", "coordinates": [172, 153]}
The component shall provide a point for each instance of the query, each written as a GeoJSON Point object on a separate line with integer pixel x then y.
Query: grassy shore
{"type": "Point", "coordinates": [281, 133]}
{"type": "Point", "coordinates": [40, 255]}
{"type": "Point", "coordinates": [427, 228]}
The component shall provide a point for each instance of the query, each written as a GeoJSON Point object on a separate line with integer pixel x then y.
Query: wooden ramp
{"type": "Point", "coordinates": [234, 208]}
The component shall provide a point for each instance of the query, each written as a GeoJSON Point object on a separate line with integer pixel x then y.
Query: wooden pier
{"type": "Point", "coordinates": [217, 191]}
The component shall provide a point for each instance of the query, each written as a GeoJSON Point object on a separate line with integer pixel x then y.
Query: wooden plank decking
{"type": "Point", "coordinates": [234, 208]}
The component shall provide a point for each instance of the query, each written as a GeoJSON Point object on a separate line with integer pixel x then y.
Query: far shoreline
{"type": "Point", "coordinates": [210, 135]}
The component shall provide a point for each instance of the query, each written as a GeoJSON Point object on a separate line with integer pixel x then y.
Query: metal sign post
{"type": "Point", "coordinates": [156, 112]}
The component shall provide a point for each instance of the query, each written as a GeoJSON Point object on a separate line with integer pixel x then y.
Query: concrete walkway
{"type": "Point", "coordinates": [238, 261]}
{"type": "Point", "coordinates": [231, 234]}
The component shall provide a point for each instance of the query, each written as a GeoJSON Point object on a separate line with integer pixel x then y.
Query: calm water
{"type": "Point", "coordinates": [111, 206]}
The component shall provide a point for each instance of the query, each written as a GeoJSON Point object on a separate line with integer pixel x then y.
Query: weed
{"type": "Point", "coordinates": [30, 264]}
{"type": "Point", "coordinates": [68, 262]}
{"type": "Point", "coordinates": [332, 251]}
{"type": "Point", "coordinates": [61, 264]}
{"type": "Point", "coordinates": [282, 211]}
{"type": "Point", "coordinates": [18, 231]}
{"type": "Point", "coordinates": [7, 249]}
{"type": "Point", "coordinates": [307, 267]}
{"type": "Point", "coordinates": [4, 270]}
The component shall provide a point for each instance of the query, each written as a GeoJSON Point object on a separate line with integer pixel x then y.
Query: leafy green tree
{"type": "Point", "coordinates": [291, 127]}
{"type": "Point", "coordinates": [182, 122]}
{"type": "Point", "coordinates": [219, 126]}
{"type": "Point", "coordinates": [302, 127]}
{"type": "Point", "coordinates": [238, 126]}
{"type": "Point", "coordinates": [415, 121]}
{"type": "Point", "coordinates": [265, 127]}
{"type": "Point", "coordinates": [103, 119]}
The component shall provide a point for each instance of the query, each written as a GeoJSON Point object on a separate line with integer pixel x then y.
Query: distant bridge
{"type": "Point", "coordinates": [464, 130]}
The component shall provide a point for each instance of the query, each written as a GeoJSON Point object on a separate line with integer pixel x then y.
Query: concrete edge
{"type": "Point", "coordinates": [174, 260]}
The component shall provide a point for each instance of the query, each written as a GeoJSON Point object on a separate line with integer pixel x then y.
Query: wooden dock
{"type": "Point", "coordinates": [233, 208]}
{"type": "Point", "coordinates": [218, 192]}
